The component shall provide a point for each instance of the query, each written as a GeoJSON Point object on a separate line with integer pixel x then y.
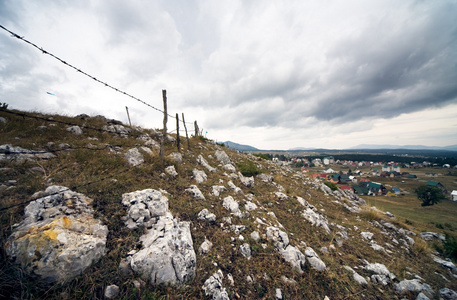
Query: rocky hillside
{"type": "Point", "coordinates": [90, 210]}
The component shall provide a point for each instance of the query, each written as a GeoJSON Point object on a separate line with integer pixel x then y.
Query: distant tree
{"type": "Point", "coordinates": [429, 195]}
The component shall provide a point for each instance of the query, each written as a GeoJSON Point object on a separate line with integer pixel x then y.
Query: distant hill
{"type": "Point", "coordinates": [409, 147]}
{"type": "Point", "coordinates": [239, 147]}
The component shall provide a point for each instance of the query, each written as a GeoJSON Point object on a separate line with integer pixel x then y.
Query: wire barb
{"type": "Point", "coordinates": [79, 70]}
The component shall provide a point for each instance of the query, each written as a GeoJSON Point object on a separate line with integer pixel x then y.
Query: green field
{"type": "Point", "coordinates": [442, 216]}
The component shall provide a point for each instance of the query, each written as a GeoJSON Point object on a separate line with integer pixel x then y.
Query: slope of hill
{"type": "Point", "coordinates": [276, 235]}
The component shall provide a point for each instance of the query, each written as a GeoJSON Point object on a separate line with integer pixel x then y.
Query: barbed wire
{"type": "Point", "coordinates": [73, 188]}
{"type": "Point", "coordinates": [24, 115]}
{"type": "Point", "coordinates": [84, 73]}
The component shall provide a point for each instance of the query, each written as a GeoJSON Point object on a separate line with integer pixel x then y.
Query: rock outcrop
{"type": "Point", "coordinates": [167, 255]}
{"type": "Point", "coordinates": [59, 236]}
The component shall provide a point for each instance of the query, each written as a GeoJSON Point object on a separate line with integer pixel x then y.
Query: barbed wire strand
{"type": "Point", "coordinates": [21, 114]}
{"type": "Point", "coordinates": [82, 72]}
{"type": "Point", "coordinates": [73, 188]}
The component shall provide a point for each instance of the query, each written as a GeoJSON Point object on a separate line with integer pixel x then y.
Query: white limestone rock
{"type": "Point", "coordinates": [205, 247]}
{"type": "Point", "coordinates": [170, 170]}
{"type": "Point", "coordinates": [413, 285]}
{"type": "Point", "coordinates": [216, 190]}
{"type": "Point", "coordinates": [205, 164]}
{"type": "Point", "coordinates": [367, 235]}
{"type": "Point", "coordinates": [11, 153]}
{"type": "Point", "coordinates": [167, 255]}
{"type": "Point", "coordinates": [235, 188]}
{"type": "Point", "coordinates": [255, 236]}
{"type": "Point", "coordinates": [250, 206]}
{"type": "Point", "coordinates": [447, 294]}
{"type": "Point", "coordinates": [229, 168]}
{"type": "Point", "coordinates": [205, 215]}
{"type": "Point", "coordinates": [281, 196]}
{"type": "Point", "coordinates": [265, 178]}
{"type": "Point", "coordinates": [111, 291]}
{"type": "Point", "coordinates": [196, 193]}
{"type": "Point", "coordinates": [223, 157]}
{"type": "Point", "coordinates": [246, 181]}
{"type": "Point", "coordinates": [231, 205]}
{"type": "Point", "coordinates": [199, 175]}
{"type": "Point", "coordinates": [314, 260]}
{"type": "Point", "coordinates": [357, 277]}
{"type": "Point", "coordinates": [134, 157]}
{"type": "Point", "coordinates": [75, 130]}
{"type": "Point", "coordinates": [118, 129]}
{"type": "Point", "coordinates": [175, 157]}
{"type": "Point", "coordinates": [213, 287]}
{"type": "Point", "coordinates": [245, 250]}
{"type": "Point", "coordinates": [59, 237]}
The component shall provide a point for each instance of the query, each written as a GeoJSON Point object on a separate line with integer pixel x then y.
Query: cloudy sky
{"type": "Point", "coordinates": [271, 74]}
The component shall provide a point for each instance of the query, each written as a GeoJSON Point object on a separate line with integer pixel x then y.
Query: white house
{"type": "Point", "coordinates": [454, 195]}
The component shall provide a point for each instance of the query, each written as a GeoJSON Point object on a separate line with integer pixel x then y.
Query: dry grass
{"type": "Point", "coordinates": [110, 177]}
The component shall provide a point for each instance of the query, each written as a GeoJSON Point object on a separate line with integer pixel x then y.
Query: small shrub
{"type": "Point", "coordinates": [421, 247]}
{"type": "Point", "coordinates": [331, 185]}
{"type": "Point", "coordinates": [263, 156]}
{"type": "Point", "coordinates": [450, 246]}
{"type": "Point", "coordinates": [370, 214]}
{"type": "Point", "coordinates": [249, 168]}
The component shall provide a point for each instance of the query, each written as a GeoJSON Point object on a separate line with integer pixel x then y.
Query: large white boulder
{"type": "Point", "coordinates": [59, 237]}
{"type": "Point", "coordinates": [167, 255]}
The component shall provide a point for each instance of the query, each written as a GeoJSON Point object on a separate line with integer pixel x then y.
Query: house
{"type": "Point", "coordinates": [347, 188]}
{"type": "Point", "coordinates": [314, 175]}
{"type": "Point", "coordinates": [335, 178]}
{"type": "Point", "coordinates": [436, 184]}
{"type": "Point", "coordinates": [395, 190]}
{"type": "Point", "coordinates": [329, 171]}
{"type": "Point", "coordinates": [328, 160]}
{"type": "Point", "coordinates": [374, 188]}
{"type": "Point", "coordinates": [345, 178]}
{"type": "Point", "coordinates": [385, 168]}
{"type": "Point", "coordinates": [412, 176]}
{"type": "Point", "coordinates": [396, 169]}
{"type": "Point", "coordinates": [360, 190]}
{"type": "Point", "coordinates": [454, 195]}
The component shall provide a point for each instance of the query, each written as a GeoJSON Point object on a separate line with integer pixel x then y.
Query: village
{"type": "Point", "coordinates": [377, 178]}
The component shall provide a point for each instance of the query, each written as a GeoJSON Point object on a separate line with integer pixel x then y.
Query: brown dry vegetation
{"type": "Point", "coordinates": [103, 176]}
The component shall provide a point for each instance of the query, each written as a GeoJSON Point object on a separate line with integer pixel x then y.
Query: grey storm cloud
{"type": "Point", "coordinates": [256, 64]}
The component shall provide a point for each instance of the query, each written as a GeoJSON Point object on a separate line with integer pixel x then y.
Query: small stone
{"type": "Point", "coordinates": [278, 294]}
{"type": "Point", "coordinates": [111, 291]}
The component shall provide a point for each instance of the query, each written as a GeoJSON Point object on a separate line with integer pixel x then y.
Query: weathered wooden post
{"type": "Point", "coordinates": [128, 115]}
{"type": "Point", "coordinates": [185, 127]}
{"type": "Point", "coordinates": [196, 129]}
{"type": "Point", "coordinates": [164, 133]}
{"type": "Point", "coordinates": [177, 132]}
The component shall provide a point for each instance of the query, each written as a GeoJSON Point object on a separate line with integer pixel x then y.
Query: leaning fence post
{"type": "Point", "coordinates": [185, 127]}
{"type": "Point", "coordinates": [177, 131]}
{"type": "Point", "coordinates": [196, 129]}
{"type": "Point", "coordinates": [164, 133]}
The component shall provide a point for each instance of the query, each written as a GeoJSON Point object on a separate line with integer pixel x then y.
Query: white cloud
{"type": "Point", "coordinates": [267, 73]}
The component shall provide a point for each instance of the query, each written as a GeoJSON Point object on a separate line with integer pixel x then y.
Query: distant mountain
{"type": "Point", "coordinates": [301, 149]}
{"type": "Point", "coordinates": [239, 147]}
{"type": "Point", "coordinates": [409, 147]}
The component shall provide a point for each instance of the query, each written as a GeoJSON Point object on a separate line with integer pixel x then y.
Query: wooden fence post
{"type": "Point", "coordinates": [185, 127]}
{"type": "Point", "coordinates": [196, 129]}
{"type": "Point", "coordinates": [164, 133]}
{"type": "Point", "coordinates": [177, 132]}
